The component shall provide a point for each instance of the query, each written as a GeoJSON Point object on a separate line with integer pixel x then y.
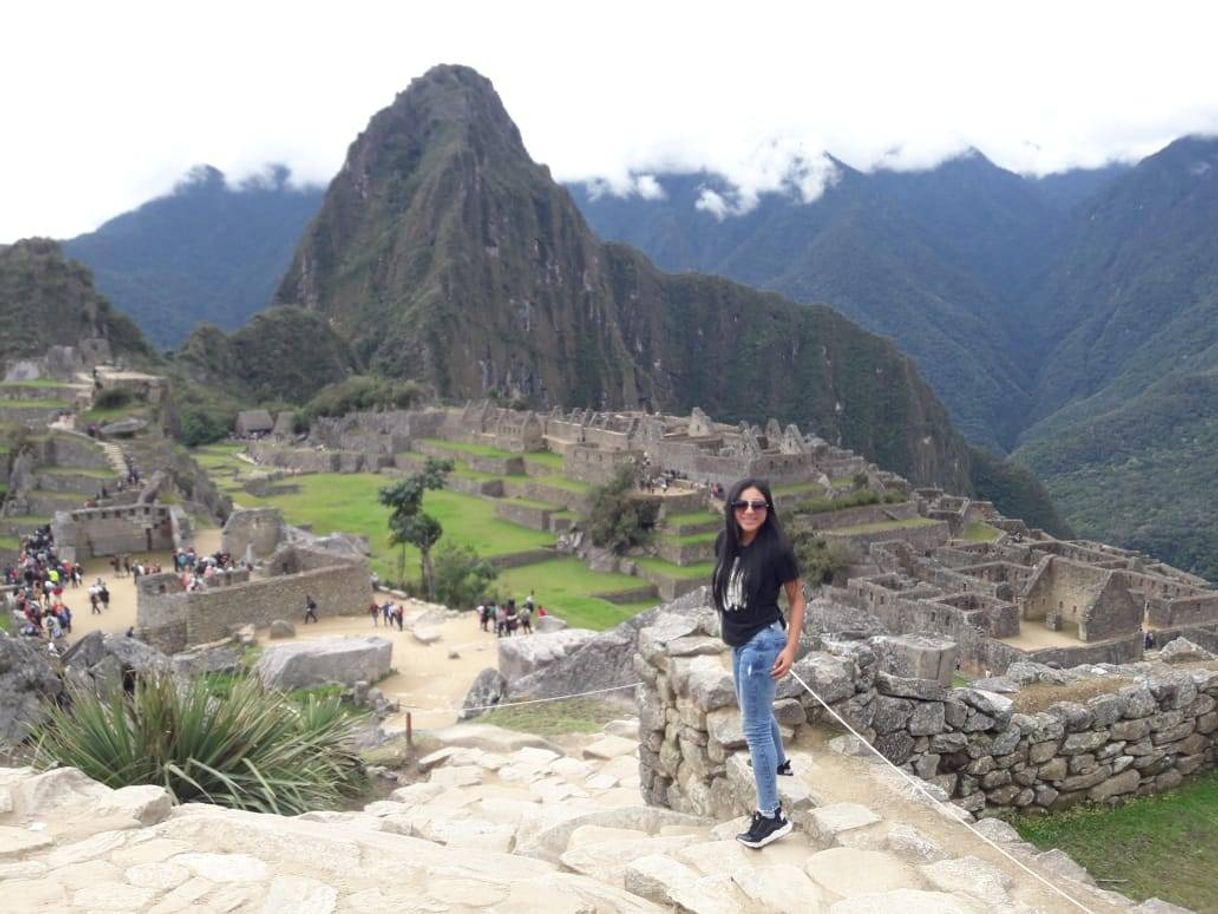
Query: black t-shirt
{"type": "Point", "coordinates": [751, 595]}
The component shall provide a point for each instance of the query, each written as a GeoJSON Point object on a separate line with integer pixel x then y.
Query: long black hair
{"type": "Point", "coordinates": [768, 543]}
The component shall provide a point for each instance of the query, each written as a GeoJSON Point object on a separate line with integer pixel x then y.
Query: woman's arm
{"type": "Point", "coordinates": [795, 623]}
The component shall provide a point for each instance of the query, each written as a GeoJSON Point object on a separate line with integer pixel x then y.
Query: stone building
{"type": "Point", "coordinates": [114, 530]}
{"type": "Point", "coordinates": [171, 618]}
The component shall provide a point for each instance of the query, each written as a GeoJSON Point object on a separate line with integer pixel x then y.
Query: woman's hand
{"type": "Point", "coordinates": [783, 662]}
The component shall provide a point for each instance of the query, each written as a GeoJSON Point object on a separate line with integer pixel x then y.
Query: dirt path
{"type": "Point", "coordinates": [425, 679]}
{"type": "Point", "coordinates": [121, 614]}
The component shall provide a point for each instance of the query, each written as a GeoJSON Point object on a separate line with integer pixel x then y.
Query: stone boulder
{"type": "Point", "coordinates": [311, 663]}
{"type": "Point", "coordinates": [282, 628]}
{"type": "Point", "coordinates": [210, 658]}
{"type": "Point", "coordinates": [607, 660]}
{"type": "Point", "coordinates": [27, 681]}
{"type": "Point", "coordinates": [489, 688]}
{"type": "Point", "coordinates": [549, 623]}
{"type": "Point", "coordinates": [1181, 650]}
{"type": "Point", "coordinates": [518, 657]}
{"type": "Point", "coordinates": [104, 662]}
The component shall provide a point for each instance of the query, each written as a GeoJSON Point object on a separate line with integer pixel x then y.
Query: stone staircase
{"type": "Point", "coordinates": [507, 823]}
{"type": "Point", "coordinates": [114, 455]}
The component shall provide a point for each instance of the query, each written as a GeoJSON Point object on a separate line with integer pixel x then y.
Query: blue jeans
{"type": "Point", "coordinates": [755, 689]}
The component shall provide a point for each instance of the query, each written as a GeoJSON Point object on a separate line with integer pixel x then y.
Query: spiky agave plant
{"type": "Point", "coordinates": [253, 749]}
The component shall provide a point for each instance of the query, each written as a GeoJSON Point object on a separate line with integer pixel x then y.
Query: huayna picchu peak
{"type": "Point", "coordinates": [444, 253]}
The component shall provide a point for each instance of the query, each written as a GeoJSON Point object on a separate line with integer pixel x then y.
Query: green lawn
{"type": "Point", "coordinates": [562, 482]}
{"type": "Point", "coordinates": [544, 458]}
{"type": "Point", "coordinates": [1161, 846]}
{"type": "Point", "coordinates": [36, 382]}
{"type": "Point", "coordinates": [798, 488]}
{"type": "Point", "coordinates": [35, 404]}
{"type": "Point", "coordinates": [659, 566]}
{"type": "Point", "coordinates": [564, 586]}
{"type": "Point", "coordinates": [218, 456]}
{"type": "Point", "coordinates": [981, 532]}
{"type": "Point", "coordinates": [347, 502]}
{"type": "Point", "coordinates": [112, 414]}
{"type": "Point", "coordinates": [842, 482]}
{"type": "Point", "coordinates": [10, 542]}
{"type": "Point", "coordinates": [478, 450]}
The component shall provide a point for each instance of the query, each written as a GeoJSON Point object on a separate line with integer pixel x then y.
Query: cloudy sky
{"type": "Point", "coordinates": [108, 104]}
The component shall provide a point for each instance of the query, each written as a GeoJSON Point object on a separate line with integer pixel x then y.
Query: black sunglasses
{"type": "Point", "coordinates": [740, 504]}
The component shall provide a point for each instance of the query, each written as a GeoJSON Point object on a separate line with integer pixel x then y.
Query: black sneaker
{"type": "Point", "coordinates": [785, 769]}
{"type": "Point", "coordinates": [765, 830]}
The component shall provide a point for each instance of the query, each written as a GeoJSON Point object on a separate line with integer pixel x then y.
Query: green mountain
{"type": "Point", "coordinates": [443, 253]}
{"type": "Point", "coordinates": [1126, 430]}
{"type": "Point", "coordinates": [939, 260]}
{"type": "Point", "coordinates": [48, 300]}
{"type": "Point", "coordinates": [207, 253]}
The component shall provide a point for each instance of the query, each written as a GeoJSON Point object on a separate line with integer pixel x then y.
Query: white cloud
{"type": "Point", "coordinates": [107, 105]}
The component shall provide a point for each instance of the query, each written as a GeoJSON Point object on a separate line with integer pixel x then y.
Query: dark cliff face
{"type": "Point", "coordinates": [444, 253]}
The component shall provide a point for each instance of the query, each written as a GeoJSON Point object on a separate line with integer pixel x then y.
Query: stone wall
{"type": "Point", "coordinates": [172, 619]}
{"type": "Point", "coordinates": [91, 532]}
{"type": "Point", "coordinates": [852, 517]}
{"type": "Point", "coordinates": [1147, 732]}
{"type": "Point", "coordinates": [1094, 601]}
{"type": "Point", "coordinates": [256, 530]}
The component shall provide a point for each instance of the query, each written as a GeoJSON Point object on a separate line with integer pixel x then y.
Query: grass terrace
{"type": "Point", "coordinates": [1161, 846]}
{"type": "Point", "coordinates": [544, 458]}
{"type": "Point", "coordinates": [478, 450]}
{"type": "Point", "coordinates": [981, 532]}
{"type": "Point", "coordinates": [35, 404]}
{"type": "Point", "coordinates": [668, 569]}
{"type": "Point", "coordinates": [35, 383]}
{"type": "Point", "coordinates": [564, 586]}
{"type": "Point", "coordinates": [91, 472]}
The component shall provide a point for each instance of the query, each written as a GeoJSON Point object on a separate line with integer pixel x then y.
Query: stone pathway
{"type": "Point", "coordinates": [507, 823]}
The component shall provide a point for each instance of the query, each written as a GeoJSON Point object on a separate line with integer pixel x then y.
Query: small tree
{"type": "Point", "coordinates": [462, 579]}
{"type": "Point", "coordinates": [409, 524]}
{"type": "Point", "coordinates": [821, 560]}
{"type": "Point", "coordinates": [618, 519]}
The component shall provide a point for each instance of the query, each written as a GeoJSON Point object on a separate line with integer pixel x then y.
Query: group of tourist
{"type": "Point", "coordinates": [196, 571]}
{"type": "Point", "coordinates": [507, 618]}
{"type": "Point", "coordinates": [390, 612]}
{"type": "Point", "coordinates": [38, 580]}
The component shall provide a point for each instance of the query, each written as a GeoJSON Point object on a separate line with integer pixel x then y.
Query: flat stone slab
{"type": "Point", "coordinates": [611, 747]}
{"type": "Point", "coordinates": [970, 876]}
{"type": "Point", "coordinates": [847, 871]}
{"type": "Point", "coordinates": [15, 842]}
{"type": "Point", "coordinates": [830, 821]}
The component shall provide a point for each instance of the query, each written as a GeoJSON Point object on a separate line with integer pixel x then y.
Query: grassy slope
{"type": "Point", "coordinates": [348, 502]}
{"type": "Point", "coordinates": [1161, 846]}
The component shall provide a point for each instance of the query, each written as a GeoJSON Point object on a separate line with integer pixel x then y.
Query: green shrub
{"type": "Point", "coordinates": [822, 561]}
{"type": "Point", "coordinates": [462, 578]}
{"type": "Point", "coordinates": [618, 520]}
{"type": "Point", "coordinates": [253, 749]}
{"type": "Point", "coordinates": [361, 392]}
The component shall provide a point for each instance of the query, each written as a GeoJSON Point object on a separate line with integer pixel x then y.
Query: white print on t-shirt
{"type": "Point", "coordinates": [736, 600]}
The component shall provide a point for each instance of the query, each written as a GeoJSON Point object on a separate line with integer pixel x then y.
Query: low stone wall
{"type": "Point", "coordinates": [91, 532]}
{"type": "Point", "coordinates": [530, 516]}
{"type": "Point", "coordinates": [924, 538]}
{"type": "Point", "coordinates": [538, 490]}
{"type": "Point", "coordinates": [82, 484]}
{"type": "Point", "coordinates": [491, 488]}
{"type": "Point", "coordinates": [1143, 735]}
{"type": "Point", "coordinates": [172, 619]}
{"type": "Point", "coordinates": [516, 559]}
{"type": "Point", "coordinates": [853, 517]}
{"type": "Point", "coordinates": [686, 553]}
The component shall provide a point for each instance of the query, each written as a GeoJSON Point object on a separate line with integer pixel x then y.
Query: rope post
{"type": "Point", "coordinates": [409, 730]}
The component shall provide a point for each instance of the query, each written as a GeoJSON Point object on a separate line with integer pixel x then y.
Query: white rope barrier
{"type": "Point", "coordinates": [952, 811]}
{"type": "Point", "coordinates": [516, 704]}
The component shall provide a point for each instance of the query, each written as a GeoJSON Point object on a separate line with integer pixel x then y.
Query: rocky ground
{"type": "Point", "coordinates": [505, 822]}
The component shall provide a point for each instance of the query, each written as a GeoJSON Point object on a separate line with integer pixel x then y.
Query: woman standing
{"type": "Point", "coordinates": [753, 561]}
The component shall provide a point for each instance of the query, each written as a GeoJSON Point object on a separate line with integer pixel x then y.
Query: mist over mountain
{"type": "Point", "coordinates": [208, 252]}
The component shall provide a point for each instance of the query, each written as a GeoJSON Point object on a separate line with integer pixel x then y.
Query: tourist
{"type": "Point", "coordinates": [753, 562]}
{"type": "Point", "coordinates": [526, 616]}
{"type": "Point", "coordinates": [374, 611]}
{"type": "Point", "coordinates": [310, 609]}
{"type": "Point", "coordinates": [511, 618]}
{"type": "Point", "coordinates": [398, 614]}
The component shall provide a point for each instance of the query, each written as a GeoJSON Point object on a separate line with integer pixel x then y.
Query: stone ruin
{"type": "Point", "coordinates": [1148, 727]}
{"type": "Point", "coordinates": [118, 529]}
